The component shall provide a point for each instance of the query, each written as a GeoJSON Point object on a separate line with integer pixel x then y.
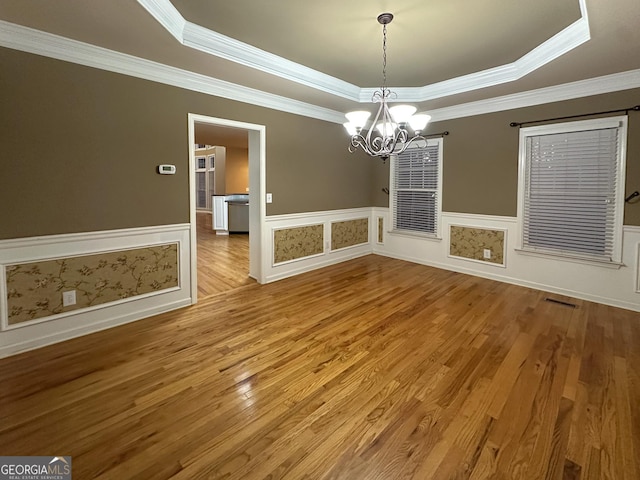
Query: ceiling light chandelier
{"type": "Point", "coordinates": [391, 123]}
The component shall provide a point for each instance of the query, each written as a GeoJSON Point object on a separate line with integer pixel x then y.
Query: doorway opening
{"type": "Point", "coordinates": [212, 131]}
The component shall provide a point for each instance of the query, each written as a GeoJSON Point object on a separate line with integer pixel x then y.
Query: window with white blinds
{"type": "Point", "coordinates": [416, 188]}
{"type": "Point", "coordinates": [572, 187]}
{"type": "Point", "coordinates": [205, 178]}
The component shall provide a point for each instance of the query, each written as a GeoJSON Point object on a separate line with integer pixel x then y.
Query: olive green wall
{"type": "Point", "coordinates": [80, 148]}
{"type": "Point", "coordinates": [480, 158]}
{"type": "Point", "coordinates": [311, 169]}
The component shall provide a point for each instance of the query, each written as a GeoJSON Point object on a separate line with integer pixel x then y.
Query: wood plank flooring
{"type": "Point", "coordinates": [372, 369]}
{"type": "Point", "coordinates": [223, 260]}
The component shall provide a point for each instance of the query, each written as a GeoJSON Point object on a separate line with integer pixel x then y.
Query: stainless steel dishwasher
{"type": "Point", "coordinates": [238, 205]}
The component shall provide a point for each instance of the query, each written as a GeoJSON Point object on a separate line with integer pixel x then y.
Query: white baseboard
{"type": "Point", "coordinates": [323, 261]}
{"type": "Point", "coordinates": [618, 288]}
{"type": "Point", "coordinates": [71, 324]}
{"type": "Point", "coordinates": [516, 281]}
{"type": "Point", "coordinates": [21, 345]}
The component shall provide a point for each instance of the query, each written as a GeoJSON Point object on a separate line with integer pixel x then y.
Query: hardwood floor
{"type": "Point", "coordinates": [371, 369]}
{"type": "Point", "coordinates": [223, 260]}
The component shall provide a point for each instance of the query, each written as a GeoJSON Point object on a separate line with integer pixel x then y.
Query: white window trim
{"type": "Point", "coordinates": [432, 236]}
{"type": "Point", "coordinates": [207, 171]}
{"type": "Point", "coordinates": [619, 122]}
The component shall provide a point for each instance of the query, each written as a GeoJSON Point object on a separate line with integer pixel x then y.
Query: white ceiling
{"type": "Point", "coordinates": [328, 54]}
{"type": "Point", "coordinates": [209, 134]}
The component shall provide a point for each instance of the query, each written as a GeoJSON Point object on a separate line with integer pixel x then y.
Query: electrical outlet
{"type": "Point", "coordinates": [487, 253]}
{"type": "Point", "coordinates": [269, 197]}
{"type": "Point", "coordinates": [68, 298]}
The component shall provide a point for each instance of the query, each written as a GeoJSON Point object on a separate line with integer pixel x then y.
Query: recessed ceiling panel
{"type": "Point", "coordinates": [427, 42]}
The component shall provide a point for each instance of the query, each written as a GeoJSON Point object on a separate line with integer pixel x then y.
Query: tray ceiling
{"type": "Point", "coordinates": [328, 54]}
{"type": "Point", "coordinates": [428, 42]}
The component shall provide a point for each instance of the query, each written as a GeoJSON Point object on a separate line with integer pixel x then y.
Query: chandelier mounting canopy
{"type": "Point", "coordinates": [385, 18]}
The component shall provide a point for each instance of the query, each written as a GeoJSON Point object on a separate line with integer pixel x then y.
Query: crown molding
{"type": "Point", "coordinates": [571, 37]}
{"type": "Point", "coordinates": [558, 93]}
{"type": "Point", "coordinates": [166, 15]}
{"type": "Point", "coordinates": [26, 39]}
{"type": "Point", "coordinates": [213, 43]}
{"type": "Point", "coordinates": [574, 35]}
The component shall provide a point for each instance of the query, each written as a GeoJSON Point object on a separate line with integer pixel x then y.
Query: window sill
{"type": "Point", "coordinates": [421, 236]}
{"type": "Point", "coordinates": [571, 258]}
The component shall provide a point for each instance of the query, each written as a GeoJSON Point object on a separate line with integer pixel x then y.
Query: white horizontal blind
{"type": "Point", "coordinates": [570, 192]}
{"type": "Point", "coordinates": [416, 189]}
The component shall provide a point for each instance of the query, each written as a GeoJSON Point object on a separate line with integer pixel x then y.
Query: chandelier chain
{"type": "Point", "coordinates": [384, 56]}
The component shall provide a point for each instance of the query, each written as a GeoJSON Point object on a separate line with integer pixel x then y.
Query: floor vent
{"type": "Point", "coordinates": [560, 302]}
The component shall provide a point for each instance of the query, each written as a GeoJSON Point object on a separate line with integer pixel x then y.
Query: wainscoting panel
{"type": "Point", "coordinates": [349, 233]}
{"type": "Point", "coordinates": [35, 288]}
{"type": "Point", "coordinates": [472, 243]}
{"type": "Point", "coordinates": [305, 241]}
{"type": "Point", "coordinates": [118, 276]}
{"type": "Point", "coordinates": [297, 242]}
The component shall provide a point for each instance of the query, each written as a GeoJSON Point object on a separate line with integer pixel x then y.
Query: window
{"type": "Point", "coordinates": [571, 187]}
{"type": "Point", "coordinates": [205, 178]}
{"type": "Point", "coordinates": [416, 189]}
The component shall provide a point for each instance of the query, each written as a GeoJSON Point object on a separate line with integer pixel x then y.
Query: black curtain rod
{"type": "Point", "coordinates": [425, 137]}
{"type": "Point", "coordinates": [625, 110]}
{"type": "Point", "coordinates": [435, 135]}
{"type": "Point", "coordinates": [632, 196]}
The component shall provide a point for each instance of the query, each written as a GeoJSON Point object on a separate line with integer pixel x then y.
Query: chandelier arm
{"type": "Point", "coordinates": [357, 141]}
{"type": "Point", "coordinates": [401, 137]}
{"type": "Point", "coordinates": [371, 143]}
{"type": "Point", "coordinates": [407, 144]}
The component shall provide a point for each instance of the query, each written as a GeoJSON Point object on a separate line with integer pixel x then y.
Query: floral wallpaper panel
{"type": "Point", "coordinates": [297, 242]}
{"type": "Point", "coordinates": [380, 229]}
{"type": "Point", "coordinates": [349, 233]}
{"type": "Point", "coordinates": [34, 290]}
{"type": "Point", "coordinates": [467, 242]}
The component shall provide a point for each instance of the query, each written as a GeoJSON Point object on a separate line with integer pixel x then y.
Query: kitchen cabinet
{"type": "Point", "coordinates": [220, 220]}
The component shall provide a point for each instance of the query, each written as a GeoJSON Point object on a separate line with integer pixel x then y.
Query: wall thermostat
{"type": "Point", "coordinates": [167, 169]}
